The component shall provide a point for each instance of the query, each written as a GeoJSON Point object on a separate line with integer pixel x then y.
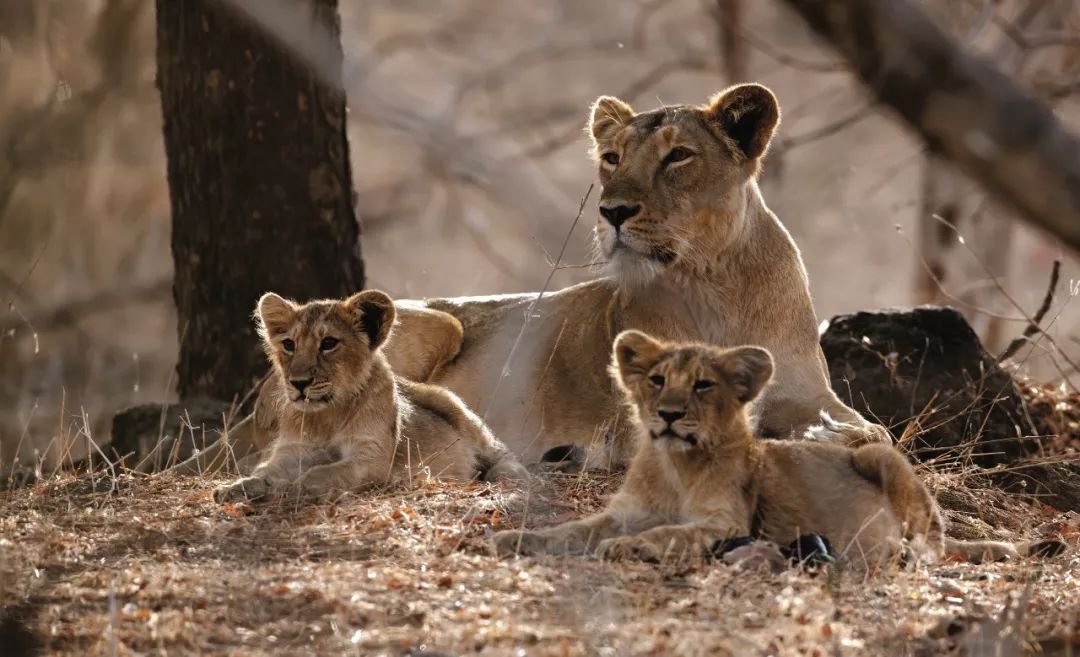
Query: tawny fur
{"type": "Point", "coordinates": [704, 260]}
{"type": "Point", "coordinates": [353, 423]}
{"type": "Point", "coordinates": [734, 277]}
{"type": "Point", "coordinates": [699, 474]}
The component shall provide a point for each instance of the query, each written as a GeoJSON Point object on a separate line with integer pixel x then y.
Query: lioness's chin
{"type": "Point", "coordinates": [632, 268]}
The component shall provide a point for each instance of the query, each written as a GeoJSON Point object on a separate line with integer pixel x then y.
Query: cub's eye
{"type": "Point", "coordinates": [657, 380]}
{"type": "Point", "coordinates": [678, 154]}
{"type": "Point", "coordinates": [702, 386]}
{"type": "Point", "coordinates": [288, 345]}
{"type": "Point", "coordinates": [611, 157]}
{"type": "Point", "coordinates": [328, 343]}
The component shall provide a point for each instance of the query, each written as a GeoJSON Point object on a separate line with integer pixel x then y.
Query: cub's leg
{"type": "Point", "coordinates": [574, 537]}
{"type": "Point", "coordinates": [287, 461]}
{"type": "Point", "coordinates": [669, 542]}
{"type": "Point", "coordinates": [909, 499]}
{"type": "Point", "coordinates": [493, 459]}
{"type": "Point", "coordinates": [423, 341]}
{"type": "Point", "coordinates": [913, 505]}
{"type": "Point", "coordinates": [339, 476]}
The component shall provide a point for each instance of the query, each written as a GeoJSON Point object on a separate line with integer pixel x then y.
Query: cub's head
{"type": "Point", "coordinates": [690, 396]}
{"type": "Point", "coordinates": [673, 177]}
{"type": "Point", "coordinates": [323, 350]}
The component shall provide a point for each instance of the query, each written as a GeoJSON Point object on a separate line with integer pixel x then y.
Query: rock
{"type": "Point", "coordinates": [150, 436]}
{"type": "Point", "coordinates": [924, 374]}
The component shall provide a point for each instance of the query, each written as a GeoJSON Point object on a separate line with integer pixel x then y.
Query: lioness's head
{"type": "Point", "coordinates": [323, 350]}
{"type": "Point", "coordinates": [689, 396]}
{"type": "Point", "coordinates": [673, 177]}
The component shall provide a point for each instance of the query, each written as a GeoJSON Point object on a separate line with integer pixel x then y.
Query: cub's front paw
{"type": "Point", "coordinates": [518, 542]}
{"type": "Point", "coordinates": [242, 490]}
{"type": "Point", "coordinates": [508, 469]}
{"type": "Point", "coordinates": [628, 548]}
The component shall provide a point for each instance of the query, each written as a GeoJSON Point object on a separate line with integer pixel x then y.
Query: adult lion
{"type": "Point", "coordinates": [693, 255]}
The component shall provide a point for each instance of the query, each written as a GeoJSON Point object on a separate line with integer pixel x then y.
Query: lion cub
{"type": "Point", "coordinates": [699, 475]}
{"type": "Point", "coordinates": [342, 420]}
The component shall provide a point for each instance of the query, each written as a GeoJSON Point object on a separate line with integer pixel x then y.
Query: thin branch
{"type": "Point", "coordinates": [71, 312]}
{"type": "Point", "coordinates": [531, 311]}
{"type": "Point", "coordinates": [964, 109]}
{"type": "Point", "coordinates": [827, 130]}
{"type": "Point", "coordinates": [1037, 318]}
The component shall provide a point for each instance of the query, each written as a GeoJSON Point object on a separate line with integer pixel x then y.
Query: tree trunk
{"type": "Point", "coordinates": [259, 181]}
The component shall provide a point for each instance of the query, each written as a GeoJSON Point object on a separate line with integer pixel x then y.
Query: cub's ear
{"type": "Point", "coordinates": [608, 115]}
{"type": "Point", "coordinates": [374, 312]}
{"type": "Point", "coordinates": [747, 370]}
{"type": "Point", "coordinates": [274, 314]}
{"type": "Point", "coordinates": [635, 354]}
{"type": "Point", "coordinates": [748, 114]}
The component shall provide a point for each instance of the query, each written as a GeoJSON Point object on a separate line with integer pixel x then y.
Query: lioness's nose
{"type": "Point", "coordinates": [617, 213]}
{"type": "Point", "coordinates": [671, 416]}
{"type": "Point", "coordinates": [300, 384]}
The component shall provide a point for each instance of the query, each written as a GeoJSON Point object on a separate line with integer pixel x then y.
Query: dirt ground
{"type": "Point", "coordinates": [103, 565]}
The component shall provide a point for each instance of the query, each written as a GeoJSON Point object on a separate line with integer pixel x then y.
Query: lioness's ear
{"type": "Point", "coordinates": [274, 314]}
{"type": "Point", "coordinates": [374, 311]}
{"type": "Point", "coordinates": [747, 370]}
{"type": "Point", "coordinates": [635, 354]}
{"type": "Point", "coordinates": [608, 115]}
{"type": "Point", "coordinates": [748, 114]}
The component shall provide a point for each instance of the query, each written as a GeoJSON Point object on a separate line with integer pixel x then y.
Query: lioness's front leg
{"type": "Point", "coordinates": [800, 403]}
{"type": "Point", "coordinates": [574, 537]}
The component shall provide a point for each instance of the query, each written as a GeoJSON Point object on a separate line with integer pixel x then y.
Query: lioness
{"type": "Point", "coordinates": [700, 476]}
{"type": "Point", "coordinates": [339, 419]}
{"type": "Point", "coordinates": [692, 254]}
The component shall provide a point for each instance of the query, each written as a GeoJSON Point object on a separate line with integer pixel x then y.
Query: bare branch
{"type": "Point", "coordinates": [1036, 319]}
{"type": "Point", "coordinates": [962, 107]}
{"type": "Point", "coordinates": [829, 129]}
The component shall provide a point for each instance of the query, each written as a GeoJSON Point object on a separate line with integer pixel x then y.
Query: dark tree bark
{"type": "Point", "coordinates": [259, 180]}
{"type": "Point", "coordinates": [964, 109]}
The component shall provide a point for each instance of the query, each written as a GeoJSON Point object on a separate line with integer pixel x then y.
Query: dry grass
{"type": "Point", "coordinates": [155, 567]}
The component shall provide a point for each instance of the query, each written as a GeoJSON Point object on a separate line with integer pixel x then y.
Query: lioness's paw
{"type": "Point", "coordinates": [242, 490]}
{"type": "Point", "coordinates": [516, 542]}
{"type": "Point", "coordinates": [628, 548]}
{"type": "Point", "coordinates": [848, 434]}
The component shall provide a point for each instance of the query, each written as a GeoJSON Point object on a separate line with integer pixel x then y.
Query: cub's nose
{"type": "Point", "coordinates": [671, 416]}
{"type": "Point", "coordinates": [617, 213]}
{"type": "Point", "coordinates": [300, 384]}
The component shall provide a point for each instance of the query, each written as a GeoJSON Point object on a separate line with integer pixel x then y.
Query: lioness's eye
{"type": "Point", "coordinates": [611, 158]}
{"type": "Point", "coordinates": [702, 386]}
{"type": "Point", "coordinates": [288, 345]}
{"type": "Point", "coordinates": [657, 380]}
{"type": "Point", "coordinates": [678, 154]}
{"type": "Point", "coordinates": [328, 343]}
